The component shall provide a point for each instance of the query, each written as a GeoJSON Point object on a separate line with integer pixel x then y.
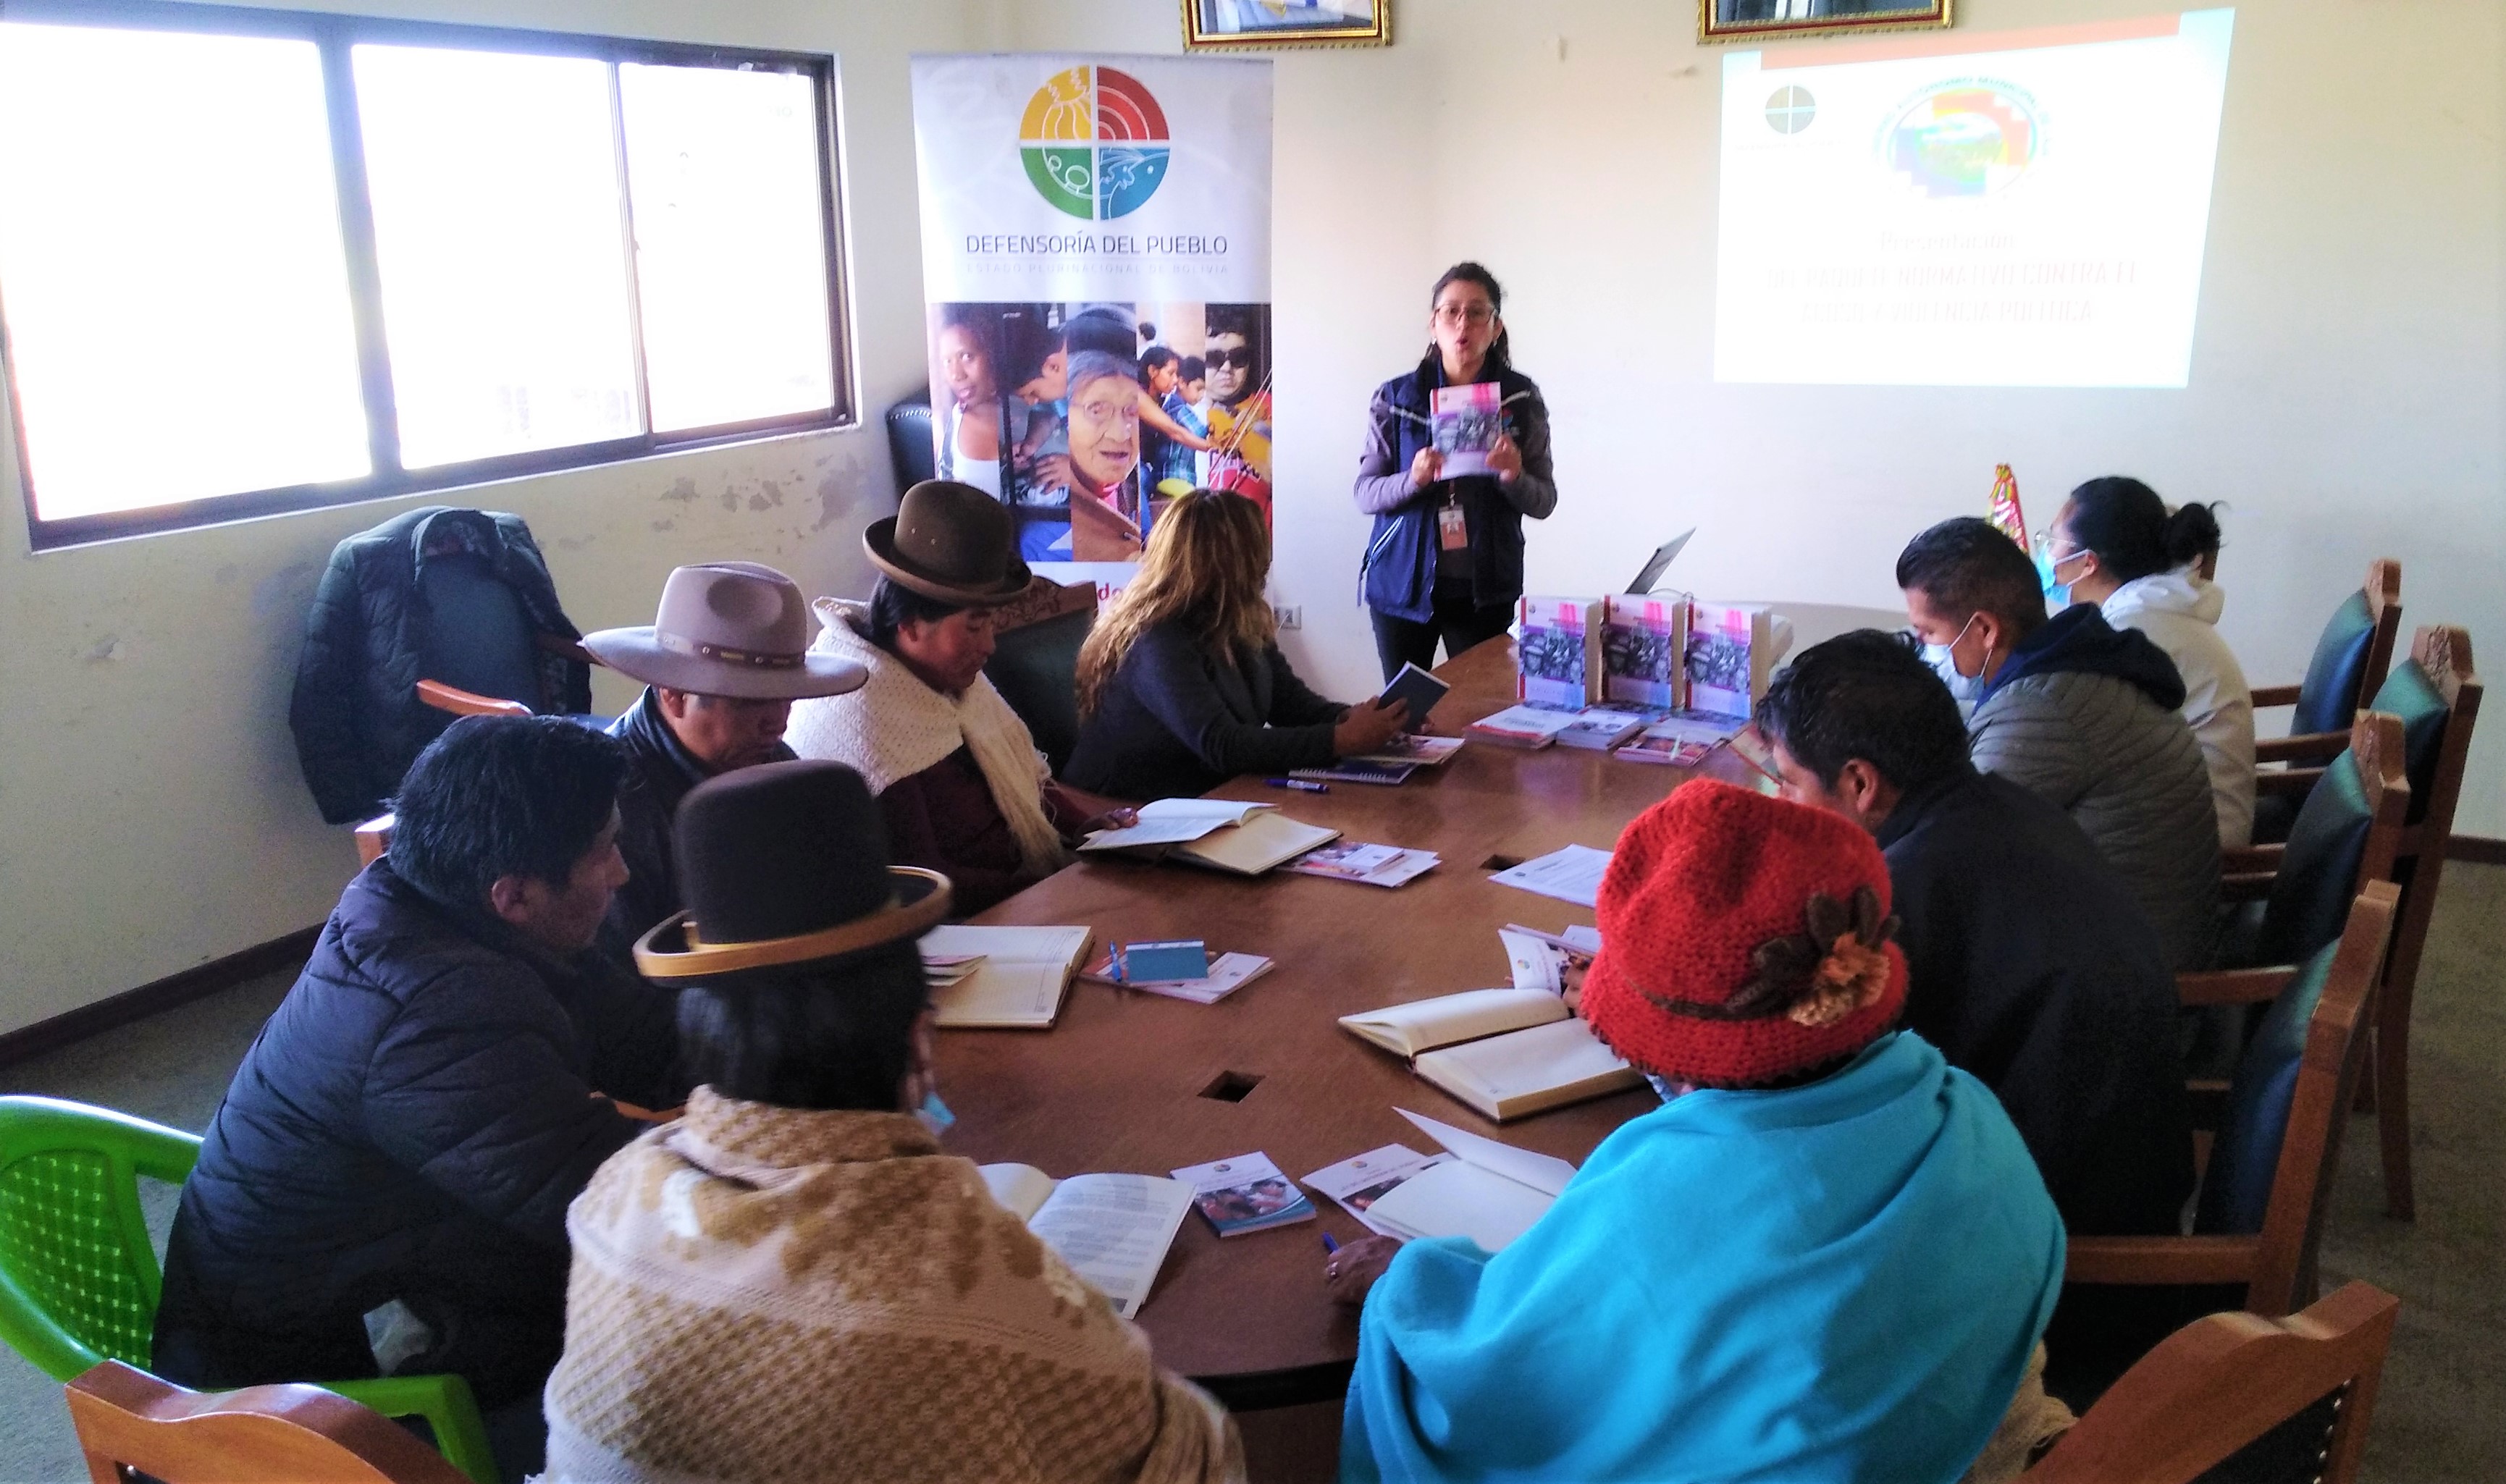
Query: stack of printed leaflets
{"type": "Point", "coordinates": [1228, 974]}
{"type": "Point", "coordinates": [1416, 748]}
{"type": "Point", "coordinates": [1683, 739]}
{"type": "Point", "coordinates": [1358, 770]}
{"type": "Point", "coordinates": [1370, 865]}
{"type": "Point", "coordinates": [1245, 1194]}
{"type": "Point", "coordinates": [1525, 727]}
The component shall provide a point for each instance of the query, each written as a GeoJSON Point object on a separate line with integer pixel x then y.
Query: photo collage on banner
{"type": "Point", "coordinates": [1096, 258]}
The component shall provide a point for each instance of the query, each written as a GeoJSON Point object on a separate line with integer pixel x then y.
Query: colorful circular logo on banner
{"type": "Point", "coordinates": [1964, 139]}
{"type": "Point", "coordinates": [1095, 143]}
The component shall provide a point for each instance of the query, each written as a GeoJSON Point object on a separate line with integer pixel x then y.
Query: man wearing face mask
{"type": "Point", "coordinates": [2028, 963]}
{"type": "Point", "coordinates": [2081, 713]}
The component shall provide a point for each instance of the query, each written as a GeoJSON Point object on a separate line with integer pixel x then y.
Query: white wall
{"type": "Point", "coordinates": [151, 816]}
{"type": "Point", "coordinates": [2346, 398]}
{"type": "Point", "coordinates": [2346, 389]}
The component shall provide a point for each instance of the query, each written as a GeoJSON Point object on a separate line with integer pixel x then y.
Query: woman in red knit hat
{"type": "Point", "coordinates": [1828, 1256]}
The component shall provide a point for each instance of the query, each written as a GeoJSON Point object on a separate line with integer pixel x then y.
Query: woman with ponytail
{"type": "Point", "coordinates": [1445, 561]}
{"type": "Point", "coordinates": [2116, 545]}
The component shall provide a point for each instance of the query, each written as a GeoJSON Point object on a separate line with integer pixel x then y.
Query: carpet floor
{"type": "Point", "coordinates": [2440, 1418]}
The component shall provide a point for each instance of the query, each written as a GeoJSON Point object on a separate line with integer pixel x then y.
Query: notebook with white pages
{"type": "Point", "coordinates": [1490, 1193]}
{"type": "Point", "coordinates": [1172, 821]}
{"type": "Point", "coordinates": [1016, 980]}
{"type": "Point", "coordinates": [1254, 846]}
{"type": "Point", "coordinates": [1507, 1053]}
{"type": "Point", "coordinates": [1114, 1231]}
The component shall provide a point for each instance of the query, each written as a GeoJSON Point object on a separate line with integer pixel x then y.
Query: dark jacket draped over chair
{"type": "Point", "coordinates": [659, 772]}
{"type": "Point", "coordinates": [2030, 965]}
{"type": "Point", "coordinates": [410, 1124]}
{"type": "Point", "coordinates": [1178, 719]}
{"type": "Point", "coordinates": [371, 633]}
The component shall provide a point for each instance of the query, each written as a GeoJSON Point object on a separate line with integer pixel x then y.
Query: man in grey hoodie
{"type": "Point", "coordinates": [2080, 712]}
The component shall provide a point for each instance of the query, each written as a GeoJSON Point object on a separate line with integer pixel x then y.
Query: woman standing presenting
{"type": "Point", "coordinates": [1446, 558]}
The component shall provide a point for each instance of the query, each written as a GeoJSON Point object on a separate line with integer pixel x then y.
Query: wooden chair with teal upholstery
{"type": "Point", "coordinates": [2350, 658]}
{"type": "Point", "coordinates": [2290, 899]}
{"type": "Point", "coordinates": [79, 1279]}
{"type": "Point", "coordinates": [2217, 1390]}
{"type": "Point", "coordinates": [2260, 1217]}
{"type": "Point", "coordinates": [2436, 694]}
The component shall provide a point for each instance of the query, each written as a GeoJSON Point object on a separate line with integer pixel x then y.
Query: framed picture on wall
{"type": "Point", "coordinates": [1757, 20]}
{"type": "Point", "coordinates": [1227, 25]}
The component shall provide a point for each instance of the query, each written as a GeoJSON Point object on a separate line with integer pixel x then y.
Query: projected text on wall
{"type": "Point", "coordinates": [2021, 209]}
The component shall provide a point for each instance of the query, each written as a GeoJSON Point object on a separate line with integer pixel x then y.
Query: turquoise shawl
{"type": "Point", "coordinates": [1831, 1283]}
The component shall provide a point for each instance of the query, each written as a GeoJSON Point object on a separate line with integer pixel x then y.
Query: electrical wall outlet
{"type": "Point", "coordinates": [1291, 614]}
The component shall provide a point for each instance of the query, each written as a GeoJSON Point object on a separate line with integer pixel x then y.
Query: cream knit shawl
{"type": "Point", "coordinates": [761, 1293]}
{"type": "Point", "coordinates": [895, 727]}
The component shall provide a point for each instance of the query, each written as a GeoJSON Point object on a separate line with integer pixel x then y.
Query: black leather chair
{"type": "Point", "coordinates": [909, 441]}
{"type": "Point", "coordinates": [1035, 663]}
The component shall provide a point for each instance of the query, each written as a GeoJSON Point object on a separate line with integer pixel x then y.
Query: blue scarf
{"type": "Point", "coordinates": [1836, 1282]}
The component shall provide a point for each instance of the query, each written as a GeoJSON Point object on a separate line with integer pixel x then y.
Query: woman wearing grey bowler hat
{"type": "Point", "coordinates": [722, 663]}
{"type": "Point", "coordinates": [959, 781]}
{"type": "Point", "coordinates": [795, 1281]}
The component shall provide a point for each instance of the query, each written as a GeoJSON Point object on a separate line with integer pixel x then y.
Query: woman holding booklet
{"type": "Point", "coordinates": [1181, 683]}
{"type": "Point", "coordinates": [1456, 455]}
{"type": "Point", "coordinates": [1828, 1256]}
{"type": "Point", "coordinates": [784, 1282]}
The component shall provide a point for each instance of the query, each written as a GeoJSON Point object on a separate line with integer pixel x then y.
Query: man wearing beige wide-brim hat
{"type": "Point", "coordinates": [722, 663]}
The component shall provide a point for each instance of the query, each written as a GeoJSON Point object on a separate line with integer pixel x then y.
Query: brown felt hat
{"type": "Point", "coordinates": [727, 628]}
{"type": "Point", "coordinates": [785, 863]}
{"type": "Point", "coordinates": [951, 542]}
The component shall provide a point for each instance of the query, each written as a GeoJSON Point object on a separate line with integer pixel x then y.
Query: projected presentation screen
{"type": "Point", "coordinates": [2019, 210]}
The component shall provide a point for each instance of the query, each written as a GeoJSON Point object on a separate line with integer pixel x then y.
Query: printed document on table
{"type": "Point", "coordinates": [1571, 874]}
{"type": "Point", "coordinates": [1113, 1232]}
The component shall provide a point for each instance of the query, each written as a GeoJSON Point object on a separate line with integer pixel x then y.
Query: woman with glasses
{"type": "Point", "coordinates": [1445, 561]}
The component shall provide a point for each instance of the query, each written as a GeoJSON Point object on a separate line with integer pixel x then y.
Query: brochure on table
{"type": "Point", "coordinates": [1572, 873]}
{"type": "Point", "coordinates": [1368, 865]}
{"type": "Point", "coordinates": [1490, 1193]}
{"type": "Point", "coordinates": [1245, 1193]}
{"type": "Point", "coordinates": [1358, 1183]}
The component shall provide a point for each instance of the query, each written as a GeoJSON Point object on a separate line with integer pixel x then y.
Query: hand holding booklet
{"type": "Point", "coordinates": [1490, 1193]}
{"type": "Point", "coordinates": [1114, 1231]}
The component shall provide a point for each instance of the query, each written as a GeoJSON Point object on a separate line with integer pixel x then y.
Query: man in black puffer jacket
{"type": "Point", "coordinates": [413, 1120]}
{"type": "Point", "coordinates": [437, 593]}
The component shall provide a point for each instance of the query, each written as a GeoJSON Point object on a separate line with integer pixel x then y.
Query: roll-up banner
{"type": "Point", "coordinates": [1097, 265]}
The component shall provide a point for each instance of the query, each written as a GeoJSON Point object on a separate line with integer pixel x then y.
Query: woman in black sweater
{"type": "Point", "coordinates": [1181, 685]}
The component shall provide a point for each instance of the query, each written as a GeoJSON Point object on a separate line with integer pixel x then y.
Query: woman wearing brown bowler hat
{"type": "Point", "coordinates": [959, 781]}
{"type": "Point", "coordinates": [794, 1281]}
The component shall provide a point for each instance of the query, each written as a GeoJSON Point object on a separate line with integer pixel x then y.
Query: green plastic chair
{"type": "Point", "coordinates": [79, 1282]}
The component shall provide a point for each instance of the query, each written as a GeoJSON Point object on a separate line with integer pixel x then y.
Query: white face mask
{"type": "Point", "coordinates": [1961, 686]}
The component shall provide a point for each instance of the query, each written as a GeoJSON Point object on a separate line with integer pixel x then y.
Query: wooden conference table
{"type": "Point", "coordinates": [1122, 1080]}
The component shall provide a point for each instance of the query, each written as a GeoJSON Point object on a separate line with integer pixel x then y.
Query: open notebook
{"type": "Point", "coordinates": [1112, 1230]}
{"type": "Point", "coordinates": [1016, 977]}
{"type": "Point", "coordinates": [1223, 833]}
{"type": "Point", "coordinates": [1490, 1193]}
{"type": "Point", "coordinates": [1506, 1052]}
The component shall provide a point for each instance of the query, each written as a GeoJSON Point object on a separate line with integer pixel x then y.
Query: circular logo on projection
{"type": "Point", "coordinates": [1965, 139]}
{"type": "Point", "coordinates": [1094, 142]}
{"type": "Point", "coordinates": [1790, 108]}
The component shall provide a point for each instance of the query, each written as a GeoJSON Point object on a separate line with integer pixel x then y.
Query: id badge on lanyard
{"type": "Point", "coordinates": [1453, 533]}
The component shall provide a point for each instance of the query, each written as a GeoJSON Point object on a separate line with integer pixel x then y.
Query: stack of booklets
{"type": "Point", "coordinates": [1731, 649]}
{"type": "Point", "coordinates": [1358, 770]}
{"type": "Point", "coordinates": [1228, 974]}
{"type": "Point", "coordinates": [1526, 726]}
{"type": "Point", "coordinates": [1370, 865]}
{"type": "Point", "coordinates": [1682, 741]}
{"type": "Point", "coordinates": [1643, 640]}
{"type": "Point", "coordinates": [1000, 976]}
{"type": "Point", "coordinates": [1114, 1231]}
{"type": "Point", "coordinates": [1505, 1053]}
{"type": "Point", "coordinates": [1488, 1192]}
{"type": "Point", "coordinates": [1245, 1195]}
{"type": "Point", "coordinates": [1416, 749]}
{"type": "Point", "coordinates": [1222, 833]}
{"type": "Point", "coordinates": [1598, 728]}
{"type": "Point", "coordinates": [1558, 651]}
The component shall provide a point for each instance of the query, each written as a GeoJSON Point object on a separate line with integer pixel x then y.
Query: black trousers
{"type": "Point", "coordinates": [1459, 621]}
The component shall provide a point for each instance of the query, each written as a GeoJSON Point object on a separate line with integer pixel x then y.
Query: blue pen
{"type": "Point", "coordinates": [1301, 785]}
{"type": "Point", "coordinates": [1329, 1246]}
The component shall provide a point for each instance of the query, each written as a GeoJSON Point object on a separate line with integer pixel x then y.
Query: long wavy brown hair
{"type": "Point", "coordinates": [1208, 556]}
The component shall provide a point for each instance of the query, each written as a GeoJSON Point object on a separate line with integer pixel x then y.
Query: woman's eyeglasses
{"type": "Point", "coordinates": [1465, 314]}
{"type": "Point", "coordinates": [1240, 357]}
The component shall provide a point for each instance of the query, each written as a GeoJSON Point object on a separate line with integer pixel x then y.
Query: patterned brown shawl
{"type": "Point", "coordinates": [761, 1293]}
